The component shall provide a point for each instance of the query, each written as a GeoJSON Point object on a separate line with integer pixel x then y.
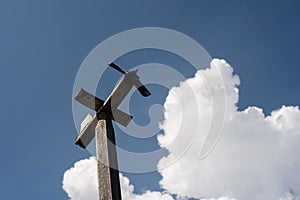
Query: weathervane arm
{"type": "Point", "coordinates": [87, 134]}
{"type": "Point", "coordinates": [95, 104]}
{"type": "Point", "coordinates": [118, 94]}
{"type": "Point", "coordinates": [89, 100]}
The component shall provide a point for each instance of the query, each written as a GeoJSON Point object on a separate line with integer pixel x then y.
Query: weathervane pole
{"type": "Point", "coordinates": [101, 127]}
{"type": "Point", "coordinates": [108, 173]}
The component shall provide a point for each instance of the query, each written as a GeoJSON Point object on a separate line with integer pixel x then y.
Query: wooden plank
{"type": "Point", "coordinates": [119, 116]}
{"type": "Point", "coordinates": [89, 100]}
{"type": "Point", "coordinates": [87, 134]}
{"type": "Point", "coordinates": [108, 174]}
{"type": "Point", "coordinates": [95, 104]}
{"type": "Point", "coordinates": [119, 93]}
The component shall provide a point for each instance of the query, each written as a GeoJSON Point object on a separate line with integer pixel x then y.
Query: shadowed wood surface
{"type": "Point", "coordinates": [94, 103]}
{"type": "Point", "coordinates": [108, 174]}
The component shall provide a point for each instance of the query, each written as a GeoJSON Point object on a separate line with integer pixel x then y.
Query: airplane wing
{"type": "Point", "coordinates": [95, 104]}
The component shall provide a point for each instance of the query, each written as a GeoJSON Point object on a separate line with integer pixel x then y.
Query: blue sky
{"type": "Point", "coordinates": [44, 42]}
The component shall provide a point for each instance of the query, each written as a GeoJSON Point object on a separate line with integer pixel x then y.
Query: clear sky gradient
{"type": "Point", "coordinates": [42, 44]}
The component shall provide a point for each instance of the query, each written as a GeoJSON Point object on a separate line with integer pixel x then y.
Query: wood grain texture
{"type": "Point", "coordinates": [108, 173]}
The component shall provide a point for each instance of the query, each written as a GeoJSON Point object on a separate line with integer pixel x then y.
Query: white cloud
{"type": "Point", "coordinates": [289, 196]}
{"type": "Point", "coordinates": [220, 198]}
{"type": "Point", "coordinates": [257, 157]}
{"type": "Point", "coordinates": [128, 192]}
{"type": "Point", "coordinates": [80, 183]}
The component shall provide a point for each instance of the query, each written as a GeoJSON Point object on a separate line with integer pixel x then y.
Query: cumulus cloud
{"type": "Point", "coordinates": [80, 183]}
{"type": "Point", "coordinates": [257, 157]}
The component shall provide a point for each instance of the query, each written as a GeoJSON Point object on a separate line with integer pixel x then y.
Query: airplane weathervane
{"type": "Point", "coordinates": [101, 128]}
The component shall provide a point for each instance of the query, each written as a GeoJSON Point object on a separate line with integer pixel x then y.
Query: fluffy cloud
{"type": "Point", "coordinates": [80, 183]}
{"type": "Point", "coordinates": [257, 157]}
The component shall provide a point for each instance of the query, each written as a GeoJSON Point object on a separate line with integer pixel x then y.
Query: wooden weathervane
{"type": "Point", "coordinates": [101, 128]}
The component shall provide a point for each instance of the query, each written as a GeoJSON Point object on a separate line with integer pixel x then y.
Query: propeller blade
{"type": "Point", "coordinates": [142, 89]}
{"type": "Point", "coordinates": [116, 67]}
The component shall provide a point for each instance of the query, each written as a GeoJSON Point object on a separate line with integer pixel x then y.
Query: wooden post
{"type": "Point", "coordinates": [101, 127]}
{"type": "Point", "coordinates": [108, 173]}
